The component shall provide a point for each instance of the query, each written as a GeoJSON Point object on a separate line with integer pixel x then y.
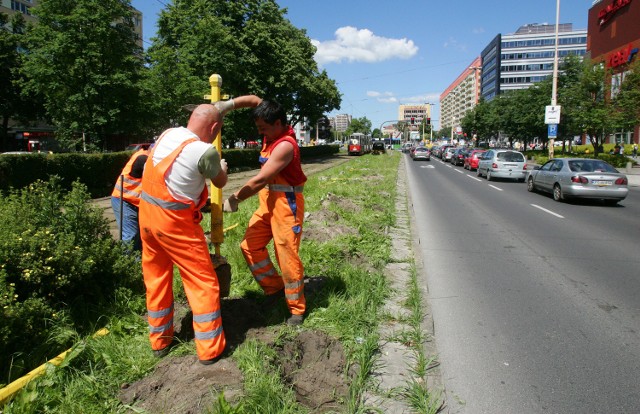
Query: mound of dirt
{"type": "Point", "coordinates": [182, 385]}
{"type": "Point", "coordinates": [311, 362]}
{"type": "Point", "coordinates": [324, 225]}
{"type": "Point", "coordinates": [314, 364]}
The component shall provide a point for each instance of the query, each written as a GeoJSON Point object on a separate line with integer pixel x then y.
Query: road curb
{"type": "Point", "coordinates": [394, 370]}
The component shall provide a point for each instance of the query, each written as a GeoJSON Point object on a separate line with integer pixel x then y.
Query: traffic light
{"type": "Point", "coordinates": [428, 121]}
{"type": "Point", "coordinates": [412, 120]}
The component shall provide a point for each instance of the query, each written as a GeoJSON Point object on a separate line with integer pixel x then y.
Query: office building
{"type": "Point", "coordinates": [518, 60]}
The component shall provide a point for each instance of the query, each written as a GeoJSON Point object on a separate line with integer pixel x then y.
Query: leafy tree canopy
{"type": "Point", "coordinates": [82, 58]}
{"type": "Point", "coordinates": [251, 45]}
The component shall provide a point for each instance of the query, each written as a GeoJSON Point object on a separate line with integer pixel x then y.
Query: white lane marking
{"type": "Point", "coordinates": [475, 178]}
{"type": "Point", "coordinates": [547, 211]}
{"type": "Point", "coordinates": [497, 188]}
{"type": "Point", "coordinates": [449, 166]}
{"type": "Point", "coordinates": [427, 166]}
{"type": "Point", "coordinates": [461, 172]}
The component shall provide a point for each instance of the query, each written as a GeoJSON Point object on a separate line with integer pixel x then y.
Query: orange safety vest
{"type": "Point", "coordinates": [131, 186]}
{"type": "Point", "coordinates": [171, 233]}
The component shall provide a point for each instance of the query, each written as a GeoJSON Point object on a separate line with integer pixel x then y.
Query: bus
{"type": "Point", "coordinates": [359, 144]}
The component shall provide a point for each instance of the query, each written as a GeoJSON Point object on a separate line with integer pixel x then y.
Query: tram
{"type": "Point", "coordinates": [359, 144]}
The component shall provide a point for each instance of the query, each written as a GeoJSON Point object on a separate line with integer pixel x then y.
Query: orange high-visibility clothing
{"type": "Point", "coordinates": [130, 185]}
{"type": "Point", "coordinates": [171, 234]}
{"type": "Point", "coordinates": [279, 217]}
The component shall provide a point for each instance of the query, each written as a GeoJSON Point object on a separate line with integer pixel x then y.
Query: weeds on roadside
{"type": "Point", "coordinates": [347, 307]}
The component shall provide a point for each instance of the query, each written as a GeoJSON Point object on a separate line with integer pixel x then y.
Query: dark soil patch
{"type": "Point", "coordinates": [324, 225]}
{"type": "Point", "coordinates": [311, 362]}
{"type": "Point", "coordinates": [314, 364]}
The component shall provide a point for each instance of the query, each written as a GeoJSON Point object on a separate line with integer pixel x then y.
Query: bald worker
{"type": "Point", "coordinates": [173, 192]}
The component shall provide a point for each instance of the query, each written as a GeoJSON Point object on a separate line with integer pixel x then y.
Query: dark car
{"type": "Point", "coordinates": [378, 147]}
{"type": "Point", "coordinates": [457, 158]}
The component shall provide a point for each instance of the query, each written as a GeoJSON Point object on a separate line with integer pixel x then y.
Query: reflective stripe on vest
{"type": "Point", "coordinates": [161, 328]}
{"type": "Point", "coordinates": [261, 275]}
{"type": "Point", "coordinates": [286, 188]}
{"type": "Point", "coordinates": [160, 313]}
{"type": "Point", "coordinates": [206, 317]}
{"type": "Point", "coordinates": [203, 336]}
{"type": "Point", "coordinates": [163, 204]}
{"type": "Point", "coordinates": [258, 265]}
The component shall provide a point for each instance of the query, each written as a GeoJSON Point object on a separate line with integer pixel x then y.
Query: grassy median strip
{"type": "Point", "coordinates": [346, 246]}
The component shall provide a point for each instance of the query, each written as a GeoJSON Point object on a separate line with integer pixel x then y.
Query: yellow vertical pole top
{"type": "Point", "coordinates": [217, 234]}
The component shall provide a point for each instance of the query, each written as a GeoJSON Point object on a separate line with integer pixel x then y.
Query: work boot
{"type": "Point", "coordinates": [159, 353]}
{"type": "Point", "coordinates": [295, 320]}
{"type": "Point", "coordinates": [271, 300]}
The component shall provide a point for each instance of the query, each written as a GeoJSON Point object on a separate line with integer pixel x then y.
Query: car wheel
{"type": "Point", "coordinates": [557, 192]}
{"type": "Point", "coordinates": [530, 187]}
{"type": "Point", "coordinates": [489, 178]}
{"type": "Point", "coordinates": [478, 173]}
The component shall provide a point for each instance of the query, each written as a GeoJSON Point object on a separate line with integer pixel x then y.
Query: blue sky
{"type": "Point", "coordinates": [386, 53]}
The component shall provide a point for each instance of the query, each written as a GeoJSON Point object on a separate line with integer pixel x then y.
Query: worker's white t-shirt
{"type": "Point", "coordinates": [184, 180]}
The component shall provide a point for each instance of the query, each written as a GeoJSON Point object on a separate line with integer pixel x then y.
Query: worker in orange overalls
{"type": "Point", "coordinates": [280, 215]}
{"type": "Point", "coordinates": [173, 192]}
{"type": "Point", "coordinates": [126, 194]}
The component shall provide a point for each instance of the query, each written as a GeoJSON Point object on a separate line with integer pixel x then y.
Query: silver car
{"type": "Point", "coordinates": [502, 163]}
{"type": "Point", "coordinates": [579, 178]}
{"type": "Point", "coordinates": [421, 153]}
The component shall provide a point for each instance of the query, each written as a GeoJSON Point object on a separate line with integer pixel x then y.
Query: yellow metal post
{"type": "Point", "coordinates": [217, 234]}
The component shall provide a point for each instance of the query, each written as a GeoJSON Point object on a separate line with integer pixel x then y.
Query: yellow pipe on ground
{"type": "Point", "coordinates": [11, 389]}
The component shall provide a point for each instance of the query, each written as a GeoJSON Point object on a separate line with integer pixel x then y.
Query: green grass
{"type": "Point", "coordinates": [349, 307]}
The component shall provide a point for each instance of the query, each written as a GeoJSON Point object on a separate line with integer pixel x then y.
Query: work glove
{"type": "Point", "coordinates": [230, 204]}
{"type": "Point", "coordinates": [224, 106]}
{"type": "Point", "coordinates": [223, 165]}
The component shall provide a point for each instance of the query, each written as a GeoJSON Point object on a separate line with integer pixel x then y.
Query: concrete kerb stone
{"type": "Point", "coordinates": [394, 369]}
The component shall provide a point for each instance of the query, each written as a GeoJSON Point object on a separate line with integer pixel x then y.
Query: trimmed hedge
{"type": "Point", "coordinates": [99, 172]}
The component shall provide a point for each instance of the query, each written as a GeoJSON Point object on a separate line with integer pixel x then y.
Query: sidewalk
{"type": "Point", "coordinates": [633, 175]}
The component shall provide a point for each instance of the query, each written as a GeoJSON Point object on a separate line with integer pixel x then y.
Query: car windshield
{"type": "Point", "coordinates": [591, 166]}
{"type": "Point", "coordinates": [421, 150]}
{"type": "Point", "coordinates": [510, 156]}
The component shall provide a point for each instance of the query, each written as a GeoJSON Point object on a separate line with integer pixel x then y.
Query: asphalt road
{"type": "Point", "coordinates": [536, 304]}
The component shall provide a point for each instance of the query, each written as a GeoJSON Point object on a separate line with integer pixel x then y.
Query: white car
{"type": "Point", "coordinates": [501, 163]}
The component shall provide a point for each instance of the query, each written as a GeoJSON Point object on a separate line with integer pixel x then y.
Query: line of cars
{"type": "Point", "coordinates": [563, 178]}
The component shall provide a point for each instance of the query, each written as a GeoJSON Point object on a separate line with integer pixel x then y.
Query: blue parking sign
{"type": "Point", "coordinates": [552, 130]}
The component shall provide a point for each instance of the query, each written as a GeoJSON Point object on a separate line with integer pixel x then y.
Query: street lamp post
{"type": "Point", "coordinates": [554, 84]}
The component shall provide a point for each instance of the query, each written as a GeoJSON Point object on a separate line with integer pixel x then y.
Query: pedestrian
{"type": "Point", "coordinates": [280, 215]}
{"type": "Point", "coordinates": [173, 192]}
{"type": "Point", "coordinates": [635, 151]}
{"type": "Point", "coordinates": [622, 148]}
{"type": "Point", "coordinates": [125, 199]}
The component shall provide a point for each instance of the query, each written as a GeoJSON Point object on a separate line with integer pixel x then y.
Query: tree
{"type": "Point", "coordinates": [84, 61]}
{"type": "Point", "coordinates": [588, 107]}
{"type": "Point", "coordinates": [251, 45]}
{"type": "Point", "coordinates": [362, 125]}
{"type": "Point", "coordinates": [627, 101]}
{"type": "Point", "coordinates": [11, 102]}
{"type": "Point", "coordinates": [377, 133]}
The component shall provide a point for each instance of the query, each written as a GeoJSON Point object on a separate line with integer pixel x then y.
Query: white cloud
{"type": "Point", "coordinates": [478, 30]}
{"type": "Point", "coordinates": [383, 97]}
{"type": "Point", "coordinates": [354, 45]}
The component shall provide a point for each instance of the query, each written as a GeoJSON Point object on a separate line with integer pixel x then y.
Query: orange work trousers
{"type": "Point", "coordinates": [279, 217]}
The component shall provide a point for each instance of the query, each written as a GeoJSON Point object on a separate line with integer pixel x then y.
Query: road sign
{"type": "Point", "coordinates": [552, 114]}
{"type": "Point", "coordinates": [552, 131]}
